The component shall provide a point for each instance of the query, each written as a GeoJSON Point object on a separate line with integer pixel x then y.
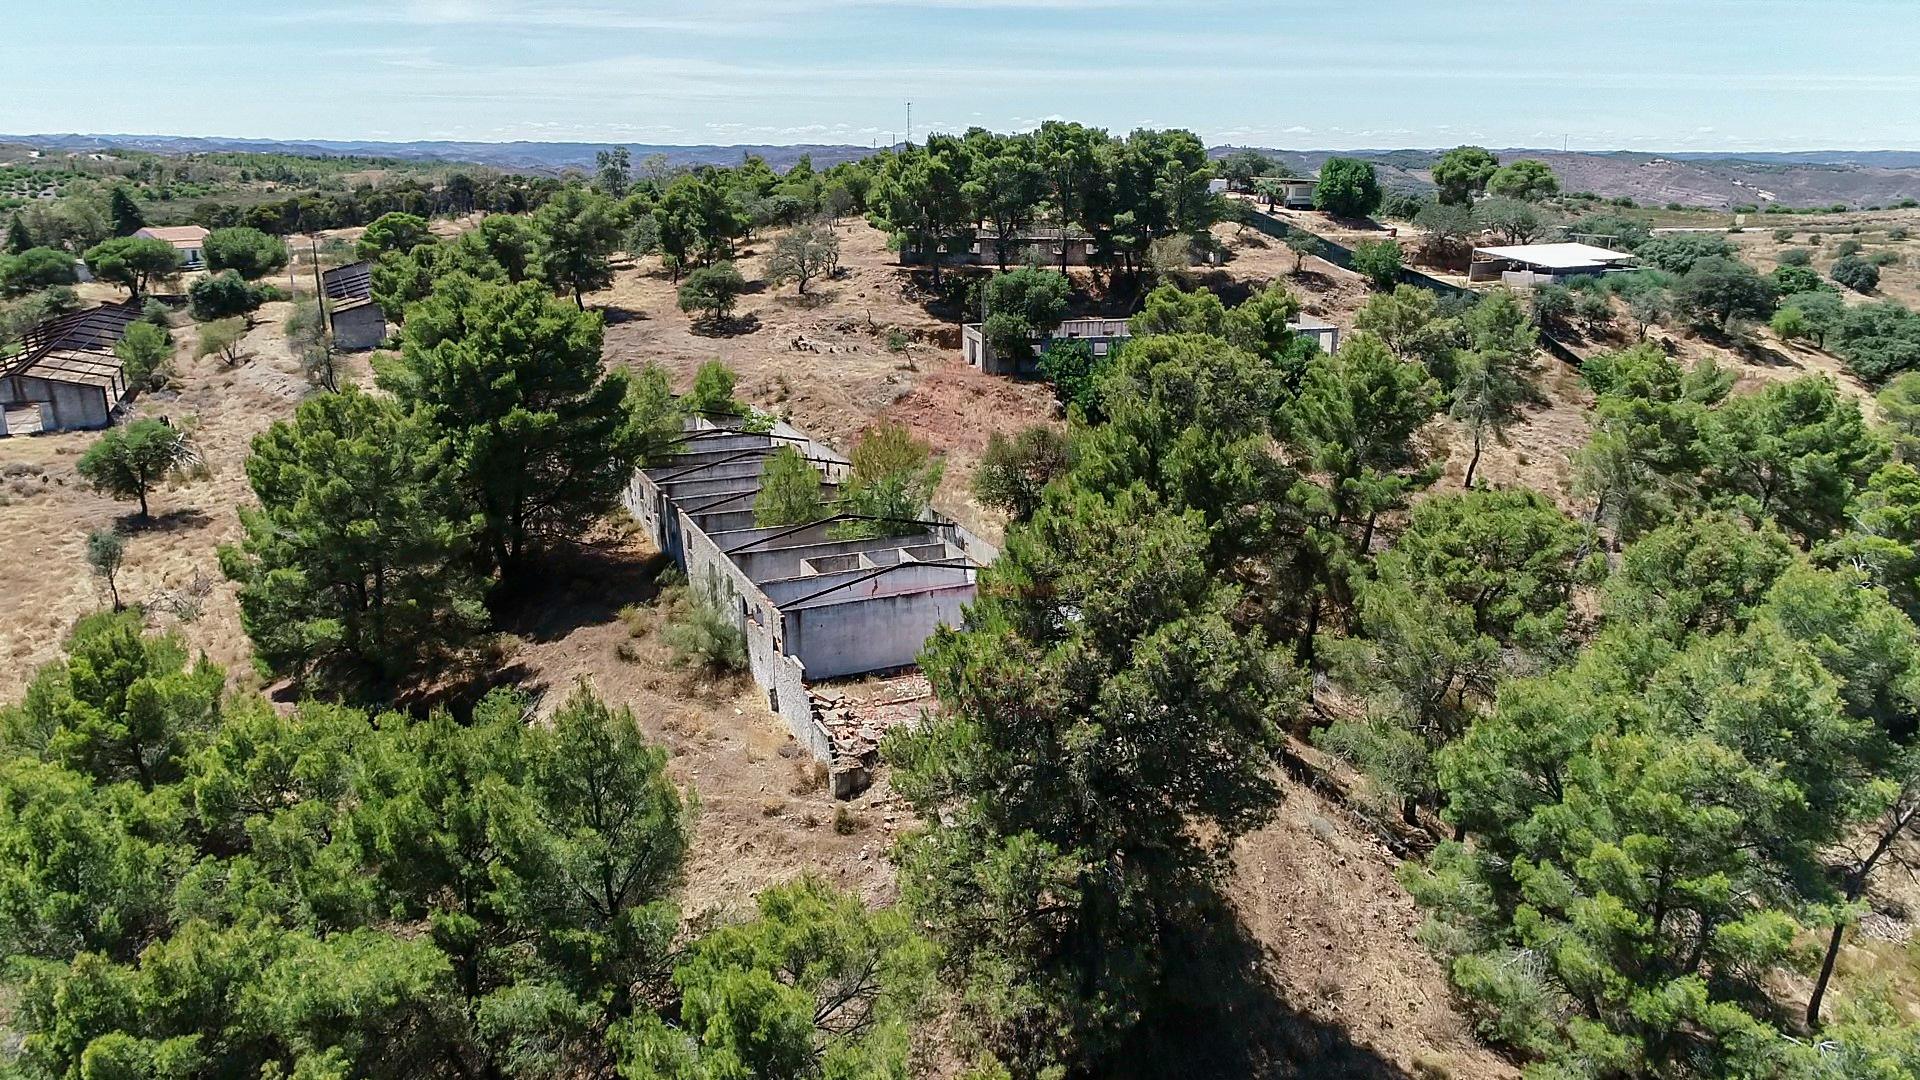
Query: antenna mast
{"type": "Point", "coordinates": [909, 141]}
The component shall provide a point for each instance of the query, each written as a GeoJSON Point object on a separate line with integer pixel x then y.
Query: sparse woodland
{"type": "Point", "coordinates": [1648, 744]}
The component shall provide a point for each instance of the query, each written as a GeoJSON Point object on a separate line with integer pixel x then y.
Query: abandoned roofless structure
{"type": "Point", "coordinates": [814, 604]}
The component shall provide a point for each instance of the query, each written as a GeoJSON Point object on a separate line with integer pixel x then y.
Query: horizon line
{"type": "Point", "coordinates": [375, 141]}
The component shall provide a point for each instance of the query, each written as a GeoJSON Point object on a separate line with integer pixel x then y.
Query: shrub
{"type": "Point", "coordinates": [1856, 273]}
{"type": "Point", "coordinates": [222, 337]}
{"type": "Point", "coordinates": [1013, 473]}
{"type": "Point", "coordinates": [712, 393]}
{"type": "Point", "coordinates": [893, 478]}
{"type": "Point", "coordinates": [1378, 261]}
{"type": "Point", "coordinates": [222, 296]}
{"type": "Point", "coordinates": [699, 632]}
{"type": "Point", "coordinates": [1676, 253]}
{"type": "Point", "coordinates": [143, 352]}
{"type": "Point", "coordinates": [1788, 280]}
{"type": "Point", "coordinates": [1796, 257]}
{"type": "Point", "coordinates": [1878, 341]}
{"type": "Point", "coordinates": [1846, 247]}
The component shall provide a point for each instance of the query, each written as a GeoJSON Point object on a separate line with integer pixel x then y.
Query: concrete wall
{"type": "Point", "coordinates": [784, 680]}
{"type": "Point", "coordinates": [358, 329]}
{"type": "Point", "coordinates": [863, 582]}
{"type": "Point", "coordinates": [64, 406]}
{"type": "Point", "coordinates": [871, 634]}
{"type": "Point", "coordinates": [737, 539]}
{"type": "Point", "coordinates": [786, 561]}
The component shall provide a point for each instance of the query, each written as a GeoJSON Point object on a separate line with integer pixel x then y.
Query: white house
{"type": "Point", "coordinates": [189, 240]}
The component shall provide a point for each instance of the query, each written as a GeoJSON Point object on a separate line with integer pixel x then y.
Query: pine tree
{"type": "Point", "coordinates": [543, 440]}
{"type": "Point", "coordinates": [353, 571]}
{"type": "Point", "coordinates": [18, 238]}
{"type": "Point", "coordinates": [128, 462]}
{"type": "Point", "coordinates": [789, 491]}
{"type": "Point", "coordinates": [126, 215]}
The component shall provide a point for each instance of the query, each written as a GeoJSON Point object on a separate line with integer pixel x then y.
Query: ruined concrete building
{"type": "Point", "coordinates": [813, 603]}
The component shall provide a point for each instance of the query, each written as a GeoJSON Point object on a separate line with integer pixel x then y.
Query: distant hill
{"type": "Point", "coordinates": [516, 156]}
{"type": "Point", "coordinates": [1798, 178]}
{"type": "Point", "coordinates": [1857, 178]}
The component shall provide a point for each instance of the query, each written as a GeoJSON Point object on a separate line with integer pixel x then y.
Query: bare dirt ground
{"type": "Point", "coordinates": [856, 348]}
{"type": "Point", "coordinates": [1335, 929]}
{"type": "Point", "coordinates": [49, 512]}
{"type": "Point", "coordinates": [1328, 927]}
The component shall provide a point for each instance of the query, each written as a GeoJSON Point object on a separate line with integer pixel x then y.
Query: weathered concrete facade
{"type": "Point", "coordinates": [67, 376]}
{"type": "Point", "coordinates": [813, 605]}
{"type": "Point", "coordinates": [357, 322]}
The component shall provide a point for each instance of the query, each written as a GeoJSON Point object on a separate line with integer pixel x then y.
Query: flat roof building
{"type": "Point", "coordinates": [356, 321]}
{"type": "Point", "coordinates": [1293, 192]}
{"type": "Point", "coordinates": [1524, 265]}
{"type": "Point", "coordinates": [813, 602]}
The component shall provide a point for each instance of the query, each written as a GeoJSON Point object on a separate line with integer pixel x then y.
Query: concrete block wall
{"type": "Point", "coordinates": [782, 562]}
{"type": "Point", "coordinates": [862, 582]}
{"type": "Point", "coordinates": [874, 622]}
{"type": "Point", "coordinates": [870, 634]}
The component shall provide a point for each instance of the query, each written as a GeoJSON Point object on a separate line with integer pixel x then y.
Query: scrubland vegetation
{"type": "Point", "coordinates": [1644, 741]}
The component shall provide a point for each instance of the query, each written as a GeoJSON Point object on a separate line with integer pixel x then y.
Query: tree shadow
{"type": "Point", "coordinates": [808, 301]}
{"type": "Point", "coordinates": [178, 519]}
{"type": "Point", "coordinates": [726, 326]}
{"type": "Point", "coordinates": [1222, 1015]}
{"type": "Point", "coordinates": [1362, 224]}
{"type": "Point", "coordinates": [575, 586]}
{"type": "Point", "coordinates": [614, 316]}
{"type": "Point", "coordinates": [1232, 291]}
{"type": "Point", "coordinates": [1748, 348]}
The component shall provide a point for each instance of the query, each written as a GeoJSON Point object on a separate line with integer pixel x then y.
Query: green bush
{"type": "Point", "coordinates": [1856, 273]}
{"type": "Point", "coordinates": [222, 296]}
{"type": "Point", "coordinates": [699, 632]}
{"type": "Point", "coordinates": [712, 393]}
{"type": "Point", "coordinates": [1378, 261]}
{"type": "Point", "coordinates": [143, 351]}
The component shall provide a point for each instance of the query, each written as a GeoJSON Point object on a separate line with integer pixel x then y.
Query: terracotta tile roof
{"type": "Point", "coordinates": [175, 234]}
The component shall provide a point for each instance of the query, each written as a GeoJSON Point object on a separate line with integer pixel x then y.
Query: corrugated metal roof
{"type": "Point", "coordinates": [353, 281]}
{"type": "Point", "coordinates": [69, 366]}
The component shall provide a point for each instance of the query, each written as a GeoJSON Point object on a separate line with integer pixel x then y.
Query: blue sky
{"type": "Point", "coordinates": [1619, 74]}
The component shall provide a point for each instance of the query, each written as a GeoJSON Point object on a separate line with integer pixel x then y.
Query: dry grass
{"type": "Point", "coordinates": [1333, 927]}
{"type": "Point", "coordinates": [48, 511]}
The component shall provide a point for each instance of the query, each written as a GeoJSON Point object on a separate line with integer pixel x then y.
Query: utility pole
{"type": "Point", "coordinates": [327, 377]}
